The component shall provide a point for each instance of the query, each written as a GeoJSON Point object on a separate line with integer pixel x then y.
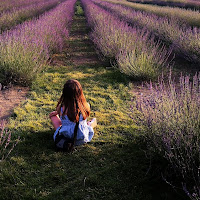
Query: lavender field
{"type": "Point", "coordinates": [188, 4]}
{"type": "Point", "coordinates": [9, 19]}
{"type": "Point", "coordinates": [138, 62]}
{"type": "Point", "coordinates": [25, 49]}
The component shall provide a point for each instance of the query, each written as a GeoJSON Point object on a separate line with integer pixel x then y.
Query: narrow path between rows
{"type": "Point", "coordinates": [79, 49]}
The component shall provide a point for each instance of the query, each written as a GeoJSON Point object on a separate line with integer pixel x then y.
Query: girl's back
{"type": "Point", "coordinates": [84, 133]}
{"type": "Point", "coordinates": [72, 111]}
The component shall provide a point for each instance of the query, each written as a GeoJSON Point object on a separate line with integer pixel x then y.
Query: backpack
{"type": "Point", "coordinates": [66, 144]}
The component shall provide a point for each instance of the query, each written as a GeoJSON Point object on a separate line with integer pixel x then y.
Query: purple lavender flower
{"type": "Point", "coordinates": [8, 19]}
{"type": "Point", "coordinates": [6, 143]}
{"type": "Point", "coordinates": [25, 49]}
{"type": "Point", "coordinates": [181, 38]}
{"type": "Point", "coordinates": [133, 48]}
{"type": "Point", "coordinates": [172, 127]}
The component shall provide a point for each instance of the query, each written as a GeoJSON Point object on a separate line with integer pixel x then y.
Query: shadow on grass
{"type": "Point", "coordinates": [97, 170]}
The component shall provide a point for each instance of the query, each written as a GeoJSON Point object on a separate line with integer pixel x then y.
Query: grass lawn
{"type": "Point", "coordinates": [112, 166]}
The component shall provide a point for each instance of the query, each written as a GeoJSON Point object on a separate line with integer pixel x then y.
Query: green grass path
{"type": "Point", "coordinates": [112, 166]}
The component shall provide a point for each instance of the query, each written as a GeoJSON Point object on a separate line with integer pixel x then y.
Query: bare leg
{"type": "Point", "coordinates": [56, 121]}
{"type": "Point", "coordinates": [93, 123]}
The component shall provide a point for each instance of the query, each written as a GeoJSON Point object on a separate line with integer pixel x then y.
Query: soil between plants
{"type": "Point", "coordinates": [10, 98]}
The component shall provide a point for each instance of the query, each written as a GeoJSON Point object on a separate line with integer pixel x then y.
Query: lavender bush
{"type": "Point", "coordinates": [24, 50]}
{"type": "Point", "coordinates": [16, 16]}
{"type": "Point", "coordinates": [171, 116]}
{"type": "Point", "coordinates": [134, 49]}
{"type": "Point", "coordinates": [183, 39]}
{"type": "Point", "coordinates": [6, 143]}
{"type": "Point", "coordinates": [9, 5]}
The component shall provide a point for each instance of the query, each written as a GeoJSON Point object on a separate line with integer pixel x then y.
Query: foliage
{"type": "Point", "coordinates": [9, 5]}
{"type": "Point", "coordinates": [189, 16]}
{"type": "Point", "coordinates": [16, 16]}
{"type": "Point", "coordinates": [6, 144]}
{"type": "Point", "coordinates": [171, 116]}
{"type": "Point", "coordinates": [173, 32]}
{"type": "Point", "coordinates": [135, 51]}
{"type": "Point", "coordinates": [187, 4]}
{"type": "Point", "coordinates": [24, 50]}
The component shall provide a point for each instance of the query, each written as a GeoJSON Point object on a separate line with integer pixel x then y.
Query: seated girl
{"type": "Point", "coordinates": [72, 110]}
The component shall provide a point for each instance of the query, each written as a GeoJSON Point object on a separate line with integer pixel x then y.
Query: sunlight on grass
{"type": "Point", "coordinates": [105, 98]}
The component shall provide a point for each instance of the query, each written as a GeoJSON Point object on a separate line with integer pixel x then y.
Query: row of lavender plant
{"type": "Point", "coordinates": [13, 4]}
{"type": "Point", "coordinates": [180, 1]}
{"type": "Point", "coordinates": [190, 17]}
{"type": "Point", "coordinates": [183, 39]}
{"type": "Point", "coordinates": [14, 17]}
{"type": "Point", "coordinates": [189, 4]}
{"type": "Point", "coordinates": [134, 50]}
{"type": "Point", "coordinates": [171, 116]}
{"type": "Point", "coordinates": [24, 50]}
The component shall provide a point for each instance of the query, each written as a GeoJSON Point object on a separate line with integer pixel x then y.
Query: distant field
{"type": "Point", "coordinates": [9, 19]}
{"type": "Point", "coordinates": [188, 4]}
{"type": "Point", "coordinates": [190, 17]}
{"type": "Point", "coordinates": [171, 29]}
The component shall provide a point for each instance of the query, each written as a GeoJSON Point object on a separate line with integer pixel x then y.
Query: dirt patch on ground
{"type": "Point", "coordinates": [10, 98]}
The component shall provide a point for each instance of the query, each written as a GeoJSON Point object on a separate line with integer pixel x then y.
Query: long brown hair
{"type": "Point", "coordinates": [74, 101]}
